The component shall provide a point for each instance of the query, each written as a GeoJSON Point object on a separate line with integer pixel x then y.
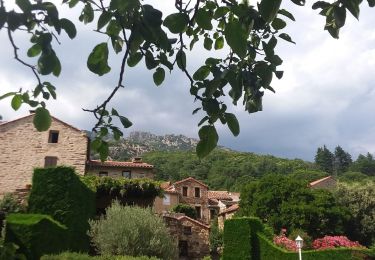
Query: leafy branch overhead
{"type": "Point", "coordinates": [137, 31]}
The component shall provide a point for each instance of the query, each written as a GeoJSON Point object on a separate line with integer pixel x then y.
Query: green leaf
{"type": "Point", "coordinates": [181, 59]}
{"type": "Point", "coordinates": [151, 63]}
{"type": "Point", "coordinates": [125, 122]}
{"type": "Point", "coordinates": [34, 50]}
{"type": "Point", "coordinates": [9, 94]}
{"type": "Point", "coordinates": [287, 14]}
{"type": "Point", "coordinates": [117, 43]}
{"type": "Point", "coordinates": [42, 119]}
{"type": "Point", "coordinates": [16, 102]}
{"type": "Point", "coordinates": [340, 16]}
{"type": "Point", "coordinates": [268, 9]}
{"type": "Point", "coordinates": [51, 89]}
{"type": "Point", "coordinates": [104, 18]}
{"type": "Point", "coordinates": [221, 11]}
{"type": "Point", "coordinates": [299, 2]}
{"type": "Point", "coordinates": [219, 43]}
{"type": "Point", "coordinates": [87, 15]}
{"type": "Point", "coordinates": [232, 123]}
{"type": "Point", "coordinates": [320, 4]}
{"type": "Point", "coordinates": [371, 3]}
{"type": "Point", "coordinates": [103, 151]}
{"type": "Point", "coordinates": [278, 24]}
{"type": "Point", "coordinates": [159, 76]}
{"type": "Point", "coordinates": [286, 37]}
{"type": "Point", "coordinates": [208, 140]}
{"type": "Point", "coordinates": [57, 69]}
{"type": "Point", "coordinates": [47, 63]}
{"type": "Point", "coordinates": [208, 43]}
{"type": "Point", "coordinates": [98, 59]}
{"type": "Point", "coordinates": [236, 37]}
{"type": "Point", "coordinates": [201, 73]}
{"type": "Point", "coordinates": [353, 7]}
{"type": "Point", "coordinates": [24, 5]}
{"type": "Point", "coordinates": [68, 27]}
{"type": "Point", "coordinates": [134, 59]}
{"type": "Point", "coordinates": [3, 17]}
{"type": "Point", "coordinates": [177, 22]}
{"type": "Point", "coordinates": [203, 19]}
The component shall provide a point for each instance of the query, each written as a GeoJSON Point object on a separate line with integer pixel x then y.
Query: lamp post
{"type": "Point", "coordinates": [299, 243]}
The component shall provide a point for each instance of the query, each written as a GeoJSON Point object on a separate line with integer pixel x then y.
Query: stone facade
{"type": "Point", "coordinates": [165, 204]}
{"type": "Point", "coordinates": [23, 148]}
{"type": "Point", "coordinates": [134, 169]}
{"type": "Point", "coordinates": [192, 236]}
{"type": "Point", "coordinates": [227, 214]}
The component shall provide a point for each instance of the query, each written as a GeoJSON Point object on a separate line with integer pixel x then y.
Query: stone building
{"type": "Point", "coordinates": [227, 214]}
{"type": "Point", "coordinates": [191, 235]}
{"type": "Point", "coordinates": [23, 148]}
{"type": "Point", "coordinates": [134, 169]}
{"type": "Point", "coordinates": [324, 183]}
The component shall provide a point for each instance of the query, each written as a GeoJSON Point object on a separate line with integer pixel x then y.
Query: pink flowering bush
{"type": "Point", "coordinates": [334, 241]}
{"type": "Point", "coordinates": [283, 241]}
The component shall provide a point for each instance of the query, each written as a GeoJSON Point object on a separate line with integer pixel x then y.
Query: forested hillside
{"type": "Point", "coordinates": [227, 169]}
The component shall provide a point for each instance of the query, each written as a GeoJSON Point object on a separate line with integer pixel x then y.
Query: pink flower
{"type": "Point", "coordinates": [334, 241]}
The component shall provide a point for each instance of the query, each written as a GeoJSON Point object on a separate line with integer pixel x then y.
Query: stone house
{"type": "Point", "coordinates": [227, 214]}
{"type": "Point", "coordinates": [23, 148]}
{"type": "Point", "coordinates": [134, 169]}
{"type": "Point", "coordinates": [324, 183]}
{"type": "Point", "coordinates": [191, 235]}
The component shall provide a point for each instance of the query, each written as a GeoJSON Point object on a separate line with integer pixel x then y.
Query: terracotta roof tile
{"type": "Point", "coordinates": [190, 179]}
{"type": "Point", "coordinates": [165, 185]}
{"type": "Point", "coordinates": [319, 181]}
{"type": "Point", "coordinates": [97, 163]}
{"type": "Point", "coordinates": [220, 195]}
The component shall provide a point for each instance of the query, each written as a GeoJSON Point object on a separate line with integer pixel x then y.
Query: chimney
{"type": "Point", "coordinates": [137, 160]}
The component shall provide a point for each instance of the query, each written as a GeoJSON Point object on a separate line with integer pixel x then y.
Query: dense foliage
{"type": "Point", "coordinates": [188, 210]}
{"type": "Point", "coordinates": [77, 256]}
{"type": "Point", "coordinates": [285, 202]}
{"type": "Point", "coordinates": [359, 198]}
{"type": "Point", "coordinates": [216, 237]}
{"type": "Point", "coordinates": [227, 170]}
{"type": "Point", "coordinates": [59, 192]}
{"type": "Point", "coordinates": [36, 234]}
{"type": "Point", "coordinates": [10, 204]}
{"type": "Point", "coordinates": [132, 231]}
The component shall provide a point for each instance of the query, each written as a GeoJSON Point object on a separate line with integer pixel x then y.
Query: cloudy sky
{"type": "Point", "coordinates": [327, 95]}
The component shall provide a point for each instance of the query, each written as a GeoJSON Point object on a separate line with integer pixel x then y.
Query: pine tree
{"type": "Point", "coordinates": [342, 160]}
{"type": "Point", "coordinates": [324, 159]}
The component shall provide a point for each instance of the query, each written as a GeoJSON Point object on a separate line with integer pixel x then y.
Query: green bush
{"type": "Point", "coordinates": [9, 204]}
{"type": "Point", "coordinates": [131, 231]}
{"type": "Point", "coordinates": [77, 256]}
{"type": "Point", "coordinates": [35, 234]}
{"type": "Point", "coordinates": [237, 237]}
{"type": "Point", "coordinates": [186, 209]}
{"type": "Point", "coordinates": [59, 192]}
{"type": "Point", "coordinates": [216, 237]}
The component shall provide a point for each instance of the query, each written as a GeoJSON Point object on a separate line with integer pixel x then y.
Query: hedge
{"type": "Point", "coordinates": [59, 192]}
{"type": "Point", "coordinates": [247, 238]}
{"type": "Point", "coordinates": [76, 256]}
{"type": "Point", "coordinates": [35, 234]}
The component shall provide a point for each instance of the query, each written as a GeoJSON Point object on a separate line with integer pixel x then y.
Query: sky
{"type": "Point", "coordinates": [326, 97]}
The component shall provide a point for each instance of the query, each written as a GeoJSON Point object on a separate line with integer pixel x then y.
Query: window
{"type": "Point", "coordinates": [167, 199]}
{"type": "Point", "coordinates": [50, 161]}
{"type": "Point", "coordinates": [197, 192]}
{"type": "Point", "coordinates": [212, 214]}
{"type": "Point", "coordinates": [184, 191]}
{"type": "Point", "coordinates": [127, 174]}
{"type": "Point", "coordinates": [187, 230]}
{"type": "Point", "coordinates": [198, 209]}
{"type": "Point", "coordinates": [53, 137]}
{"type": "Point", "coordinates": [103, 174]}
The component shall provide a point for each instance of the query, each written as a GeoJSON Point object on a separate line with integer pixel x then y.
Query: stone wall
{"type": "Point", "coordinates": [24, 148]}
{"type": "Point", "coordinates": [161, 204]}
{"type": "Point", "coordinates": [197, 240]}
{"type": "Point", "coordinates": [117, 172]}
{"type": "Point", "coordinates": [190, 199]}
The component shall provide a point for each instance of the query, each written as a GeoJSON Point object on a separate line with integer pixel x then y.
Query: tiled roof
{"type": "Point", "coordinates": [97, 163]}
{"type": "Point", "coordinates": [219, 195]}
{"type": "Point", "coordinates": [213, 202]}
{"type": "Point", "coordinates": [179, 218]}
{"type": "Point", "coordinates": [232, 208]}
{"type": "Point", "coordinates": [319, 181]}
{"type": "Point", "coordinates": [190, 179]}
{"type": "Point", "coordinates": [165, 185]}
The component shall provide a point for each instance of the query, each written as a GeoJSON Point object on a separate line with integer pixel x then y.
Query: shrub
{"type": "Point", "coordinates": [35, 234]}
{"type": "Point", "coordinates": [77, 256]}
{"type": "Point", "coordinates": [216, 237]}
{"type": "Point", "coordinates": [283, 241]}
{"type": "Point", "coordinates": [307, 240]}
{"type": "Point", "coordinates": [131, 231]}
{"type": "Point", "coordinates": [186, 209]}
{"type": "Point", "coordinates": [58, 192]}
{"type": "Point", "coordinates": [334, 241]}
{"type": "Point", "coordinates": [9, 204]}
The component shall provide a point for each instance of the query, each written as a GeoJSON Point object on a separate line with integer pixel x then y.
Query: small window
{"type": "Point", "coordinates": [187, 230]}
{"type": "Point", "coordinates": [197, 192]}
{"type": "Point", "coordinates": [50, 161]}
{"type": "Point", "coordinates": [167, 199]}
{"type": "Point", "coordinates": [212, 214]}
{"type": "Point", "coordinates": [127, 174]}
{"type": "Point", "coordinates": [184, 191]}
{"type": "Point", "coordinates": [103, 174]}
{"type": "Point", "coordinates": [198, 209]}
{"type": "Point", "coordinates": [53, 137]}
